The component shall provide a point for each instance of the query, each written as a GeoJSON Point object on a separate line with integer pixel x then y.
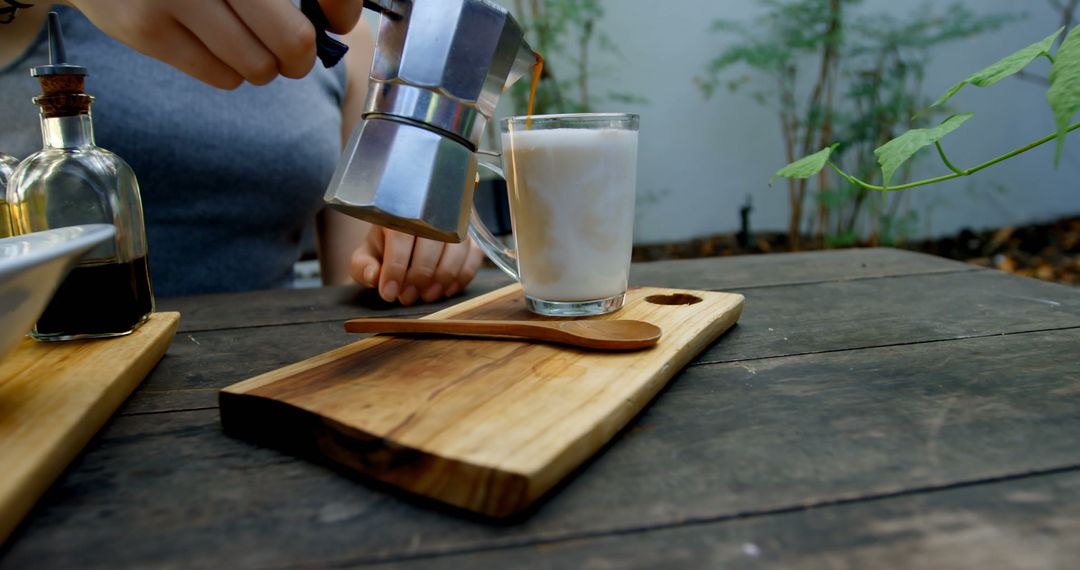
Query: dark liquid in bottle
{"type": "Point", "coordinates": [99, 300]}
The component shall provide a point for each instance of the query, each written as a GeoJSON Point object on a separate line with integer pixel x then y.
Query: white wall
{"type": "Point", "coordinates": [704, 157]}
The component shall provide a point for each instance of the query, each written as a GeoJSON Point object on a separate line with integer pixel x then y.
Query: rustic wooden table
{"type": "Point", "coordinates": [873, 408]}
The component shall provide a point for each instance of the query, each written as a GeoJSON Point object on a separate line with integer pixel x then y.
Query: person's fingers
{"type": "Point", "coordinates": [397, 249]}
{"type": "Point", "coordinates": [224, 34]}
{"type": "Point", "coordinates": [468, 270]}
{"type": "Point", "coordinates": [446, 274]}
{"type": "Point", "coordinates": [364, 267]}
{"type": "Point", "coordinates": [341, 15]}
{"type": "Point", "coordinates": [425, 258]}
{"type": "Point", "coordinates": [365, 262]}
{"type": "Point", "coordinates": [284, 30]}
{"type": "Point", "coordinates": [152, 28]}
{"type": "Point", "coordinates": [187, 53]}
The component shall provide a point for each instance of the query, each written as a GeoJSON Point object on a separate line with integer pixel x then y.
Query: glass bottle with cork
{"type": "Point", "coordinates": [72, 181]}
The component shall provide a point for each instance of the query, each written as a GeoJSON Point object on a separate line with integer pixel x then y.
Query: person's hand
{"type": "Point", "coordinates": [408, 269]}
{"type": "Point", "coordinates": [221, 42]}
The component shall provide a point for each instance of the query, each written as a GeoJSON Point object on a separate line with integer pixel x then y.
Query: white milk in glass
{"type": "Point", "coordinates": [572, 207]}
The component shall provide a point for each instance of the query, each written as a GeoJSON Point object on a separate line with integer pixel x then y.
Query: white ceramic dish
{"type": "Point", "coordinates": [32, 267]}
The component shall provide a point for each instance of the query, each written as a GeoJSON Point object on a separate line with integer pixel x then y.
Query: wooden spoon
{"type": "Point", "coordinates": [603, 335]}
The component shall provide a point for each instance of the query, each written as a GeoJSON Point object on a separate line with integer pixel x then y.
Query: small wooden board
{"type": "Point", "coordinates": [55, 396]}
{"type": "Point", "coordinates": [485, 425]}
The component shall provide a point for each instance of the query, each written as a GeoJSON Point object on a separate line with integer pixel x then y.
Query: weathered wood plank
{"type": "Point", "coordinates": [723, 439]}
{"type": "Point", "coordinates": [782, 321]}
{"type": "Point", "coordinates": [778, 321]}
{"type": "Point", "coordinates": [198, 364]}
{"type": "Point", "coordinates": [1026, 523]}
{"type": "Point", "coordinates": [744, 271]}
{"type": "Point", "coordinates": [293, 306]}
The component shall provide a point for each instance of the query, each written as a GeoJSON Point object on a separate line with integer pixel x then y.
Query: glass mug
{"type": "Point", "coordinates": [571, 182]}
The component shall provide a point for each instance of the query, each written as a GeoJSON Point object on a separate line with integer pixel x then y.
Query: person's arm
{"type": "Point", "coordinates": [339, 234]}
{"type": "Point", "coordinates": [220, 42]}
{"type": "Point", "coordinates": [18, 28]}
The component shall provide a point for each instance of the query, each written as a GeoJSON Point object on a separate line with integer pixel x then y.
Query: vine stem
{"type": "Point", "coordinates": [957, 173]}
{"type": "Point", "coordinates": [945, 159]}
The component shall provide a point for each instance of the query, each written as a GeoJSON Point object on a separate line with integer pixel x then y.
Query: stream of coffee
{"type": "Point", "coordinates": [537, 70]}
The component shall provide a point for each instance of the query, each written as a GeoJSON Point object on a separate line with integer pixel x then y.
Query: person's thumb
{"type": "Point", "coordinates": [364, 268]}
{"type": "Point", "coordinates": [341, 15]}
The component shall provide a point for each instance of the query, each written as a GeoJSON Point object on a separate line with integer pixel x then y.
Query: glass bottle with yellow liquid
{"type": "Point", "coordinates": [7, 168]}
{"type": "Point", "coordinates": [72, 181]}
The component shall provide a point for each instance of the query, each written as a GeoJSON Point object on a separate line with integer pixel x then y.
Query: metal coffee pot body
{"type": "Point", "coordinates": [440, 67]}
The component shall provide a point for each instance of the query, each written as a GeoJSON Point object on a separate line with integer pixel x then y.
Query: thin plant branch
{"type": "Point", "coordinates": [957, 173]}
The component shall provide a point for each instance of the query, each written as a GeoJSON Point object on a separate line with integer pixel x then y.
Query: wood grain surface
{"type": "Point", "coordinates": [781, 269]}
{"type": "Point", "coordinates": [723, 443]}
{"type": "Point", "coordinates": [846, 314]}
{"type": "Point", "coordinates": [55, 396]}
{"type": "Point", "coordinates": [1010, 524]}
{"type": "Point", "coordinates": [286, 307]}
{"type": "Point", "coordinates": [875, 408]}
{"type": "Point", "coordinates": [484, 425]}
{"type": "Point", "coordinates": [277, 307]}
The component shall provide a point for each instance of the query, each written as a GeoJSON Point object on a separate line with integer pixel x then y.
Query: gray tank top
{"type": "Point", "coordinates": [229, 179]}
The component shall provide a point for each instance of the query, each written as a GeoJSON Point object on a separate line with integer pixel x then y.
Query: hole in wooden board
{"type": "Point", "coordinates": [676, 299]}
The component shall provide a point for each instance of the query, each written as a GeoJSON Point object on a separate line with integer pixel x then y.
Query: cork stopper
{"type": "Point", "coordinates": [62, 83]}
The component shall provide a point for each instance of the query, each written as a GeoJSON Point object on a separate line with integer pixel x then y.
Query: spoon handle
{"type": "Point", "coordinates": [508, 328]}
{"type": "Point", "coordinates": [518, 329]}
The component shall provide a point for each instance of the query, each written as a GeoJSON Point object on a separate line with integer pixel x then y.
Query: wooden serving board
{"type": "Point", "coordinates": [485, 425]}
{"type": "Point", "coordinates": [55, 396]}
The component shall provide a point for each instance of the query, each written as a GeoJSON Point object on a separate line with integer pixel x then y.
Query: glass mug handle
{"type": "Point", "coordinates": [503, 256]}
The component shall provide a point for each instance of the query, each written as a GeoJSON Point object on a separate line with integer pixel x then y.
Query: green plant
{"type": "Point", "coordinates": [865, 82]}
{"type": "Point", "coordinates": [1066, 11]}
{"type": "Point", "coordinates": [565, 32]}
{"type": "Point", "coordinates": [1063, 96]}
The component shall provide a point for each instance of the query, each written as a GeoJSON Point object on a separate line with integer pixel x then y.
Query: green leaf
{"type": "Point", "coordinates": [893, 154]}
{"type": "Point", "coordinates": [949, 94]}
{"type": "Point", "coordinates": [1064, 93]}
{"type": "Point", "coordinates": [1005, 67]}
{"type": "Point", "coordinates": [806, 166]}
